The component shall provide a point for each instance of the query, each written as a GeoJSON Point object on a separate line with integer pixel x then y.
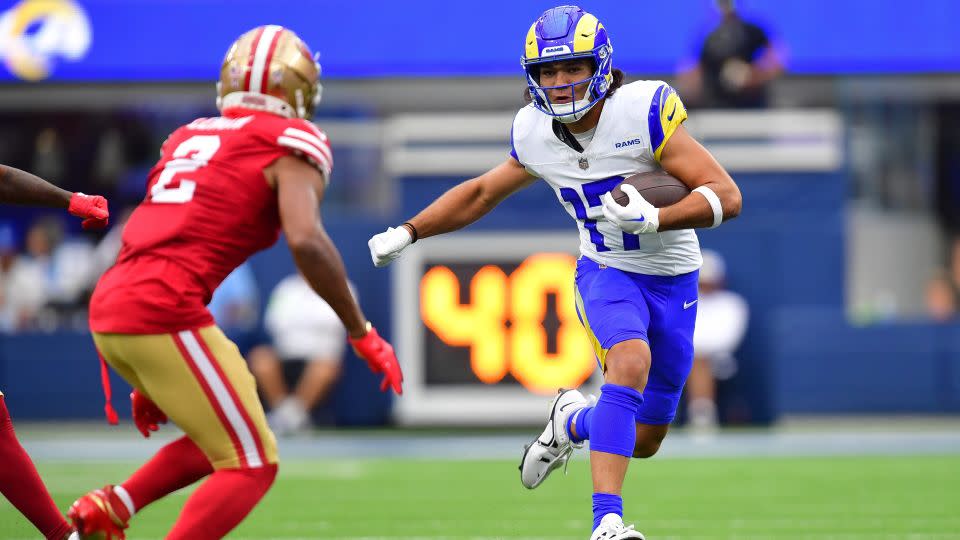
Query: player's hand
{"type": "Point", "coordinates": [146, 415]}
{"type": "Point", "coordinates": [637, 217]}
{"type": "Point", "coordinates": [92, 208]}
{"type": "Point", "coordinates": [386, 246]}
{"type": "Point", "coordinates": [381, 359]}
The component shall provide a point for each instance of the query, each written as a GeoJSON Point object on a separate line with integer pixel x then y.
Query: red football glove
{"type": "Point", "coordinates": [381, 359]}
{"type": "Point", "coordinates": [146, 415]}
{"type": "Point", "coordinates": [93, 208]}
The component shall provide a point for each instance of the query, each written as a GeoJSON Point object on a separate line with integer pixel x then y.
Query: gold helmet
{"type": "Point", "coordinates": [270, 69]}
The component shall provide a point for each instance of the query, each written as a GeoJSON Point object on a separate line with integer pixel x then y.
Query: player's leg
{"type": "Point", "coordinates": [612, 426]}
{"type": "Point", "coordinates": [107, 511]}
{"type": "Point", "coordinates": [175, 466]}
{"type": "Point", "coordinates": [20, 483]}
{"type": "Point", "coordinates": [605, 305]}
{"type": "Point", "coordinates": [671, 342]}
{"type": "Point", "coordinates": [231, 429]}
{"type": "Point", "coordinates": [200, 381]}
{"type": "Point", "coordinates": [615, 316]}
{"type": "Point", "coordinates": [670, 337]}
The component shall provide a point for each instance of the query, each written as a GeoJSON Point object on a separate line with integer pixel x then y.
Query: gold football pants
{"type": "Point", "coordinates": [200, 380]}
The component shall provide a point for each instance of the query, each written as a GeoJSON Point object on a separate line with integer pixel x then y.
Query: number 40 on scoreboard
{"type": "Point", "coordinates": [485, 321]}
{"type": "Point", "coordinates": [505, 323]}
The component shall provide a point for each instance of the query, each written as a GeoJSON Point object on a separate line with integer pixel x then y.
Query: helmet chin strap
{"type": "Point", "coordinates": [570, 117]}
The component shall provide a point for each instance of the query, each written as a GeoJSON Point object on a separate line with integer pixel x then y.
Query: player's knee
{"type": "Point", "coordinates": [645, 448]}
{"type": "Point", "coordinates": [628, 363]}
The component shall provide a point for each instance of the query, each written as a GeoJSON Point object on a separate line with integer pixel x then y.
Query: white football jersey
{"type": "Point", "coordinates": [634, 125]}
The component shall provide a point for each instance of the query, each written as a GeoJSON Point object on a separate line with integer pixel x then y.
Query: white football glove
{"type": "Point", "coordinates": [386, 246]}
{"type": "Point", "coordinates": [637, 217]}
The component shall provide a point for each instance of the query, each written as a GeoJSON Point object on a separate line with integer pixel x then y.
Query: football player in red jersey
{"type": "Point", "coordinates": [19, 481]}
{"type": "Point", "coordinates": [223, 189]}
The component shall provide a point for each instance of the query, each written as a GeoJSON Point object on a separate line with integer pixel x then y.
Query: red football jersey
{"type": "Point", "coordinates": [208, 208]}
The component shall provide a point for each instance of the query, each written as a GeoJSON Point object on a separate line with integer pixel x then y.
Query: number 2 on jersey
{"type": "Point", "coordinates": [189, 156]}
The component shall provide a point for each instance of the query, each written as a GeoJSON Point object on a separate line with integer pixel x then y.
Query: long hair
{"type": "Point", "coordinates": [618, 77]}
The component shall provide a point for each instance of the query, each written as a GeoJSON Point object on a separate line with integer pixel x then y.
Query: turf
{"type": "Point", "coordinates": [770, 498]}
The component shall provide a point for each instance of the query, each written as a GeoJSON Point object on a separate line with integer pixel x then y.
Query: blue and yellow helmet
{"type": "Point", "coordinates": [565, 33]}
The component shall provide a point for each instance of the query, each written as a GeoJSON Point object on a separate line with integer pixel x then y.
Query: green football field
{"type": "Point", "coordinates": [759, 498]}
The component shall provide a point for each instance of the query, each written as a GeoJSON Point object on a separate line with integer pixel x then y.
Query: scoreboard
{"type": "Point", "coordinates": [486, 329]}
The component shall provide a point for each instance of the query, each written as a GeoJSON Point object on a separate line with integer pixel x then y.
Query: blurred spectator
{"type": "Point", "coordinates": [236, 306]}
{"type": "Point", "coordinates": [53, 273]}
{"type": "Point", "coordinates": [732, 66]}
{"type": "Point", "coordinates": [721, 324]}
{"type": "Point", "coordinates": [308, 342]}
{"type": "Point", "coordinates": [942, 296]}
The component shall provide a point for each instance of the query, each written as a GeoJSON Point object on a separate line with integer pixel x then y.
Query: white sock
{"type": "Point", "coordinates": [572, 422]}
{"type": "Point", "coordinates": [125, 497]}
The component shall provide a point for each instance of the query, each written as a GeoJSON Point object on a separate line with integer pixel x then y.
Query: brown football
{"type": "Point", "coordinates": [657, 187]}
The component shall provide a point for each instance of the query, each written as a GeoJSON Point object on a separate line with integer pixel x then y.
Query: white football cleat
{"type": "Point", "coordinates": [553, 447]}
{"type": "Point", "coordinates": [612, 528]}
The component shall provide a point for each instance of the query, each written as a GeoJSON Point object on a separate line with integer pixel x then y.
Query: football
{"type": "Point", "coordinates": [657, 187]}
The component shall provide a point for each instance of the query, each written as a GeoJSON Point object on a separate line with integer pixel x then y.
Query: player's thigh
{"type": "Point", "coordinates": [200, 380]}
{"type": "Point", "coordinates": [671, 349]}
{"type": "Point", "coordinates": [610, 307]}
{"type": "Point", "coordinates": [240, 409]}
{"type": "Point", "coordinates": [114, 350]}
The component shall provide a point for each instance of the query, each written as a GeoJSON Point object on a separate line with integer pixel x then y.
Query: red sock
{"type": "Point", "coordinates": [20, 483]}
{"type": "Point", "coordinates": [175, 466]}
{"type": "Point", "coordinates": [221, 503]}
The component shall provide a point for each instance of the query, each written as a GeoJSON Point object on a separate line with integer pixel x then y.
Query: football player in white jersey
{"type": "Point", "coordinates": [636, 280]}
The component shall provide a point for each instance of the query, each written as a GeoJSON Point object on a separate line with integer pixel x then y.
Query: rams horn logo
{"type": "Point", "coordinates": [61, 29]}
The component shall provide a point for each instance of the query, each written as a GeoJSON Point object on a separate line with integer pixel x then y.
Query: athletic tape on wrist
{"type": "Point", "coordinates": [715, 205]}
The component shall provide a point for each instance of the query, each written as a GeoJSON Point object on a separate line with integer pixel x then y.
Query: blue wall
{"type": "Point", "coordinates": [177, 40]}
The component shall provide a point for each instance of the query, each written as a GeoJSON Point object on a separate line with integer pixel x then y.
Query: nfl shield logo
{"type": "Point", "coordinates": [584, 164]}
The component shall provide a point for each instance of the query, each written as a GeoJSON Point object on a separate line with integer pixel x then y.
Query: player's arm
{"type": "Point", "coordinates": [715, 196]}
{"type": "Point", "coordinates": [460, 206]}
{"type": "Point", "coordinates": [300, 189]}
{"type": "Point", "coordinates": [21, 187]}
{"type": "Point", "coordinates": [470, 200]}
{"type": "Point", "coordinates": [691, 163]}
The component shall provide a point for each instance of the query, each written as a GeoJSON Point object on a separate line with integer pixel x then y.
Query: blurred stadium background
{"type": "Point", "coordinates": [846, 253]}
